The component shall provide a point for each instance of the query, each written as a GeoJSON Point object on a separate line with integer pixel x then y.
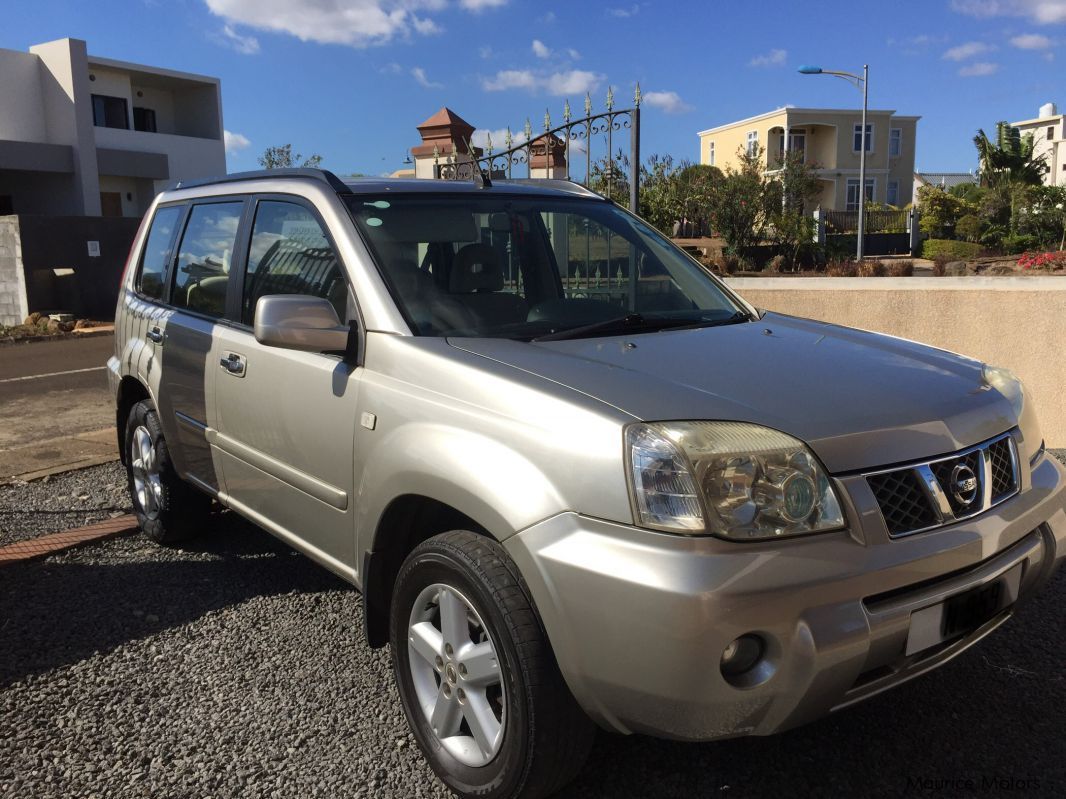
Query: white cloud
{"type": "Point", "coordinates": [419, 75]}
{"type": "Point", "coordinates": [968, 50]}
{"type": "Point", "coordinates": [628, 11]}
{"type": "Point", "coordinates": [669, 102]}
{"type": "Point", "coordinates": [357, 23]}
{"type": "Point", "coordinates": [485, 51]}
{"type": "Point", "coordinates": [235, 142]}
{"type": "Point", "coordinates": [570, 82]}
{"type": "Point", "coordinates": [481, 136]}
{"type": "Point", "coordinates": [481, 5]}
{"type": "Point", "coordinates": [540, 49]}
{"type": "Point", "coordinates": [979, 69]}
{"type": "Point", "coordinates": [775, 58]}
{"type": "Point", "coordinates": [1042, 12]}
{"type": "Point", "coordinates": [548, 18]}
{"type": "Point", "coordinates": [574, 54]}
{"type": "Point", "coordinates": [248, 45]}
{"type": "Point", "coordinates": [509, 79]}
{"type": "Point", "coordinates": [1031, 41]}
{"type": "Point", "coordinates": [573, 82]}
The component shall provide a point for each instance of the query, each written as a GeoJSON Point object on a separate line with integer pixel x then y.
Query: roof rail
{"type": "Point", "coordinates": [266, 174]}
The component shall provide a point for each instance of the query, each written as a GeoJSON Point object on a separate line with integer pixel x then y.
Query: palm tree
{"type": "Point", "coordinates": [1011, 160]}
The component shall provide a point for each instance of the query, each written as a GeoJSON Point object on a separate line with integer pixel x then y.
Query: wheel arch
{"type": "Point", "coordinates": [407, 521]}
{"type": "Point", "coordinates": [130, 392]}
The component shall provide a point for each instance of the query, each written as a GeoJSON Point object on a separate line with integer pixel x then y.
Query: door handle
{"type": "Point", "coordinates": [232, 363]}
{"type": "Point", "coordinates": [155, 335]}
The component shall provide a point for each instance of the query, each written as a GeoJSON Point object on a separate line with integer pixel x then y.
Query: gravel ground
{"type": "Point", "coordinates": [236, 668]}
{"type": "Point", "coordinates": [62, 501]}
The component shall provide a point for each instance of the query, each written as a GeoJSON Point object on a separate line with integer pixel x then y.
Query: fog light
{"type": "Point", "coordinates": [741, 655]}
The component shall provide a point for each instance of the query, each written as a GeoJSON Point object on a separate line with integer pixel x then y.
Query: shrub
{"type": "Point", "coordinates": [775, 265]}
{"type": "Point", "coordinates": [1045, 261]}
{"type": "Point", "coordinates": [842, 269]}
{"type": "Point", "coordinates": [940, 265]}
{"type": "Point", "coordinates": [969, 227]}
{"type": "Point", "coordinates": [871, 269]}
{"type": "Point", "coordinates": [1017, 242]}
{"type": "Point", "coordinates": [901, 269]}
{"type": "Point", "coordinates": [954, 250]}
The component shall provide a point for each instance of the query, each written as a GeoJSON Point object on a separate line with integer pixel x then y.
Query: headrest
{"type": "Point", "coordinates": [475, 268]}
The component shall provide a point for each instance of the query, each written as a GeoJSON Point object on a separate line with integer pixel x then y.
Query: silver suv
{"type": "Point", "coordinates": [577, 479]}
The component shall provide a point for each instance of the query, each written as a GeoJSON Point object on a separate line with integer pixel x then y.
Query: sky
{"type": "Point", "coordinates": [351, 79]}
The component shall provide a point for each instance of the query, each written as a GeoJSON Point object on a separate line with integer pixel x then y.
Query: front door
{"type": "Point", "coordinates": [286, 419]}
{"type": "Point", "coordinates": [110, 203]}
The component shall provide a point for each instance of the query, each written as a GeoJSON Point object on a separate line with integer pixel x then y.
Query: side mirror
{"type": "Point", "coordinates": [298, 322]}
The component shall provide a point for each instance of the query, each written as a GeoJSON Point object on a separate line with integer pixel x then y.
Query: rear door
{"type": "Point", "coordinates": [286, 419]}
{"type": "Point", "coordinates": [199, 292]}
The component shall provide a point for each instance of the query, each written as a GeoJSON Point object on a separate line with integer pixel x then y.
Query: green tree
{"type": "Point", "coordinates": [1011, 159]}
{"type": "Point", "coordinates": [789, 191]}
{"type": "Point", "coordinates": [282, 157]}
{"type": "Point", "coordinates": [738, 207]}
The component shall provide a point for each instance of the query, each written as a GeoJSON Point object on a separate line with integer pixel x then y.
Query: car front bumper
{"type": "Point", "coordinates": [639, 620]}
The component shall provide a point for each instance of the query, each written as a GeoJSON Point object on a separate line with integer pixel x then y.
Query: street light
{"type": "Point", "coordinates": [861, 83]}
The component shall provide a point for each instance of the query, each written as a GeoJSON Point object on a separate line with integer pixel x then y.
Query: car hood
{"type": "Point", "coordinates": [859, 399]}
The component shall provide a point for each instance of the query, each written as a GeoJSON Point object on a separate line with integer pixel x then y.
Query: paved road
{"type": "Point", "coordinates": [52, 390]}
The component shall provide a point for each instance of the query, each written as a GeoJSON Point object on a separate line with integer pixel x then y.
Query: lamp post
{"type": "Point", "coordinates": [861, 83]}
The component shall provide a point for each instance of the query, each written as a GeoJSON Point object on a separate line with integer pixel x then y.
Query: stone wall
{"type": "Point", "coordinates": [12, 281]}
{"type": "Point", "coordinates": [1016, 322]}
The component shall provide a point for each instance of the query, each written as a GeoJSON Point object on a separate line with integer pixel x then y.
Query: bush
{"type": "Point", "coordinates": [901, 269]}
{"type": "Point", "coordinates": [954, 250]}
{"type": "Point", "coordinates": [871, 269]}
{"type": "Point", "coordinates": [842, 269]}
{"type": "Point", "coordinates": [1045, 261]}
{"type": "Point", "coordinates": [1017, 243]}
{"type": "Point", "coordinates": [970, 227]}
{"type": "Point", "coordinates": [940, 265]}
{"type": "Point", "coordinates": [775, 265]}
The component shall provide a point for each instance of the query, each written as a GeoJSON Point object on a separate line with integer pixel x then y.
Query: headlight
{"type": "Point", "coordinates": [731, 479]}
{"type": "Point", "coordinates": [1006, 383]}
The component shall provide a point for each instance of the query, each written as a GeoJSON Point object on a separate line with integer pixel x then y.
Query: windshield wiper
{"type": "Point", "coordinates": [637, 323]}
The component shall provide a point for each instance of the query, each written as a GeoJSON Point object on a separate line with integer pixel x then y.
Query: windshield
{"type": "Point", "coordinates": [523, 267]}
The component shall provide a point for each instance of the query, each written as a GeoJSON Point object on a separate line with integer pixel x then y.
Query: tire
{"type": "Point", "coordinates": [545, 737]}
{"type": "Point", "coordinates": [168, 509]}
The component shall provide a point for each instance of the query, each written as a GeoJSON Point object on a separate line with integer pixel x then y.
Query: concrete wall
{"type": "Point", "coordinates": [1006, 321]}
{"type": "Point", "coordinates": [13, 307]}
{"type": "Point", "coordinates": [20, 91]}
{"type": "Point", "coordinates": [188, 157]}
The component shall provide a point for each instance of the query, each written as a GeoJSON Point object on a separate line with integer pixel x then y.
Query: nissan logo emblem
{"type": "Point", "coordinates": [963, 484]}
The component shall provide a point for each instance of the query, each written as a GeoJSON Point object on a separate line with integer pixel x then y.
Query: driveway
{"type": "Point", "coordinates": [235, 667]}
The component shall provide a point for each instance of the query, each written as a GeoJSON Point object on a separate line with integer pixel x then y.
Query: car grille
{"type": "Point", "coordinates": [934, 493]}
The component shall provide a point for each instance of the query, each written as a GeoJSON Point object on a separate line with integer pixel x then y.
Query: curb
{"type": "Point", "coordinates": [46, 545]}
{"type": "Point", "coordinates": [73, 466]}
{"type": "Point", "coordinates": [91, 332]}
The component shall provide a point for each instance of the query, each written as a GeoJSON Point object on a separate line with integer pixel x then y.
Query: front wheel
{"type": "Point", "coordinates": [479, 683]}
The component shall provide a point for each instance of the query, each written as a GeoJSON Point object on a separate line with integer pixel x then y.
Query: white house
{"type": "Point", "coordinates": [82, 135]}
{"type": "Point", "coordinates": [1049, 140]}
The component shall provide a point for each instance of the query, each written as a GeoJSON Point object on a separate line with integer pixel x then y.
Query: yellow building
{"type": "Point", "coordinates": [829, 140]}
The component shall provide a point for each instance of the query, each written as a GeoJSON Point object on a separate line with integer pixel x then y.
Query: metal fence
{"type": "Point", "coordinates": [573, 138]}
{"type": "Point", "coordinates": [880, 220]}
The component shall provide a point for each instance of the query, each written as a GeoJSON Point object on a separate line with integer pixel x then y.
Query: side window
{"type": "Point", "coordinates": [204, 257]}
{"type": "Point", "coordinates": [157, 252]}
{"type": "Point", "coordinates": [290, 254]}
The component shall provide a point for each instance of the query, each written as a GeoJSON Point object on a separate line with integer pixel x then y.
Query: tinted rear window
{"type": "Point", "coordinates": [157, 251]}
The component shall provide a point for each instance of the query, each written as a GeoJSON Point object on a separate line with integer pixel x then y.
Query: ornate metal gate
{"type": "Point", "coordinates": [573, 134]}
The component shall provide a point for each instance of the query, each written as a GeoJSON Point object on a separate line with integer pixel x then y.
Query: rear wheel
{"type": "Point", "coordinates": [167, 508]}
{"type": "Point", "coordinates": [479, 683]}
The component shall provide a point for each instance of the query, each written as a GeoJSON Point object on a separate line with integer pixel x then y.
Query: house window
{"type": "Point", "coordinates": [895, 142]}
{"type": "Point", "coordinates": [892, 193]}
{"type": "Point", "coordinates": [753, 141]}
{"type": "Point", "coordinates": [856, 144]}
{"type": "Point", "coordinates": [1051, 133]}
{"type": "Point", "coordinates": [797, 143]}
{"type": "Point", "coordinates": [144, 119]}
{"type": "Point", "coordinates": [710, 153]}
{"type": "Point", "coordinates": [110, 112]}
{"type": "Point", "coordinates": [853, 193]}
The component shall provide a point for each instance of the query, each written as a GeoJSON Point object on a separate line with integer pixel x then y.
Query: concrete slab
{"type": "Point", "coordinates": [56, 455]}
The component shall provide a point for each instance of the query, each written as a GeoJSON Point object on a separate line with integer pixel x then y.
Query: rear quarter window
{"type": "Point", "coordinates": [158, 249]}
